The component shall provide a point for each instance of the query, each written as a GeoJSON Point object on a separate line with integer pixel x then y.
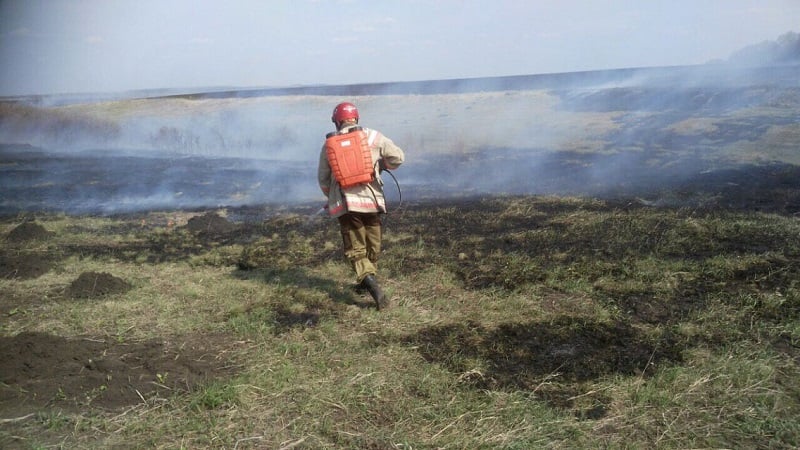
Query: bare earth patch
{"type": "Point", "coordinates": [43, 370]}
{"type": "Point", "coordinates": [24, 265]}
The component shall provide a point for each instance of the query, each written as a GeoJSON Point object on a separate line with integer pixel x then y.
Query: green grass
{"type": "Point", "coordinates": [517, 322]}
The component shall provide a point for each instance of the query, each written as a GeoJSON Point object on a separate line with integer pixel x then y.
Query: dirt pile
{"type": "Point", "coordinates": [96, 285]}
{"type": "Point", "coordinates": [16, 262]}
{"type": "Point", "coordinates": [28, 231]}
{"type": "Point", "coordinates": [211, 223]}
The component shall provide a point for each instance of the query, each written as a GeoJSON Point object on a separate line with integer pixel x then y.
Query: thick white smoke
{"type": "Point", "coordinates": [588, 133]}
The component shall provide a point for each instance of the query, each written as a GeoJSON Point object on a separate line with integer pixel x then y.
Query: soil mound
{"type": "Point", "coordinates": [24, 266]}
{"type": "Point", "coordinates": [211, 223]}
{"type": "Point", "coordinates": [28, 231]}
{"type": "Point", "coordinates": [96, 285]}
{"type": "Point", "coordinates": [40, 369]}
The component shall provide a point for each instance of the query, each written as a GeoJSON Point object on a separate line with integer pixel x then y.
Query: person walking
{"type": "Point", "coordinates": [349, 174]}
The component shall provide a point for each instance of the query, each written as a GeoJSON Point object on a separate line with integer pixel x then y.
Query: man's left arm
{"type": "Point", "coordinates": [392, 156]}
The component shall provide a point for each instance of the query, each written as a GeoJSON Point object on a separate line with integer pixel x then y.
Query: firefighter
{"type": "Point", "coordinates": [358, 207]}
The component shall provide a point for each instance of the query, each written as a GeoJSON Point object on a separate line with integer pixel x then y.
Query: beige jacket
{"type": "Point", "coordinates": [364, 197]}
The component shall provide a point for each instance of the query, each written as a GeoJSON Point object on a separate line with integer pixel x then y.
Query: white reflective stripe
{"type": "Point", "coordinates": [371, 137]}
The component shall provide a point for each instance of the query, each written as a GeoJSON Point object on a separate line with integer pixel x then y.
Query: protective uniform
{"type": "Point", "coordinates": [358, 208]}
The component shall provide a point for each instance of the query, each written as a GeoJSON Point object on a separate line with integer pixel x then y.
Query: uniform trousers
{"type": "Point", "coordinates": [361, 236]}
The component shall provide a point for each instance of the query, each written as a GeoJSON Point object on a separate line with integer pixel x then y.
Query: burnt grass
{"type": "Point", "coordinates": [490, 249]}
{"type": "Point", "coordinates": [507, 245]}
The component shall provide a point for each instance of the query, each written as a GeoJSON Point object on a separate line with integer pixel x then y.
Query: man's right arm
{"type": "Point", "coordinates": [324, 173]}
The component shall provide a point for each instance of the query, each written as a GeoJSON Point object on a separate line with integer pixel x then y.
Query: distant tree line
{"type": "Point", "coordinates": [784, 50]}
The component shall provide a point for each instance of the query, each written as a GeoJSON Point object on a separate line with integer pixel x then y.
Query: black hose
{"type": "Point", "coordinates": [399, 193]}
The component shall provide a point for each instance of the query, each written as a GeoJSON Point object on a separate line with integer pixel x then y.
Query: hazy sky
{"type": "Point", "coordinates": [60, 46]}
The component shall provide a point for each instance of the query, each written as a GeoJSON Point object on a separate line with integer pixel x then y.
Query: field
{"type": "Point", "coordinates": [517, 322]}
{"type": "Point", "coordinates": [590, 260]}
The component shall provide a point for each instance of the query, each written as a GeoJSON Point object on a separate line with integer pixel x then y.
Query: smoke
{"type": "Point", "coordinates": [251, 128]}
{"type": "Point", "coordinates": [112, 182]}
{"type": "Point", "coordinates": [785, 50]}
{"type": "Point", "coordinates": [592, 133]}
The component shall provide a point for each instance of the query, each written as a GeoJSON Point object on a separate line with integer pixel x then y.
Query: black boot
{"type": "Point", "coordinates": [381, 300]}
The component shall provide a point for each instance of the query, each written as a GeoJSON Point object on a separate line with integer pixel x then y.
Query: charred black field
{"type": "Point", "coordinates": [613, 263]}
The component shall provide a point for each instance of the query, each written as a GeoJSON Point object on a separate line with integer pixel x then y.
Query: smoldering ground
{"type": "Point", "coordinates": [649, 134]}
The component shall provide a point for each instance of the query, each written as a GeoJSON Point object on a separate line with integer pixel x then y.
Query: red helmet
{"type": "Point", "coordinates": [344, 111]}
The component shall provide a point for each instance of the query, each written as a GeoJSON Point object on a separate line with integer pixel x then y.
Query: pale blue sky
{"type": "Point", "coordinates": [71, 46]}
